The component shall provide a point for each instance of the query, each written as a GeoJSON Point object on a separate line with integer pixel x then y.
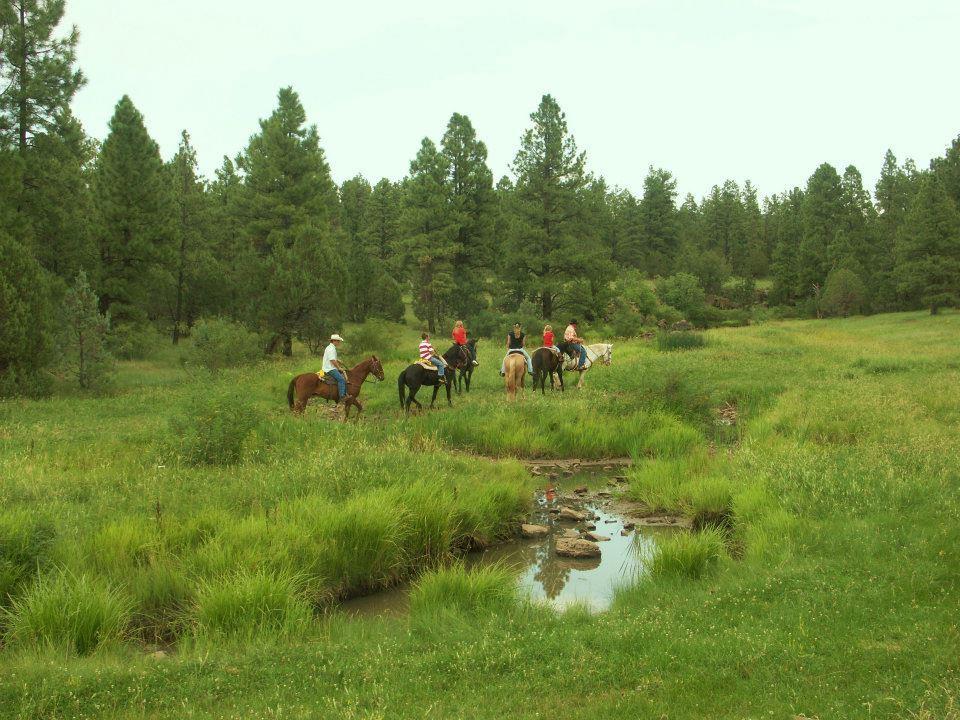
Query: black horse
{"type": "Point", "coordinates": [412, 379]}
{"type": "Point", "coordinates": [463, 355]}
{"type": "Point", "coordinates": [545, 363]}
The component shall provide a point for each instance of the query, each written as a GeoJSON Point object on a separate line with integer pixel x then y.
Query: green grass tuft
{"type": "Point", "coordinates": [687, 554]}
{"type": "Point", "coordinates": [680, 340]}
{"type": "Point", "coordinates": [486, 589]}
{"type": "Point", "coordinates": [77, 614]}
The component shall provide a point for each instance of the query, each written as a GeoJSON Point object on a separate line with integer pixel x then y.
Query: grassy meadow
{"type": "Point", "coordinates": [192, 513]}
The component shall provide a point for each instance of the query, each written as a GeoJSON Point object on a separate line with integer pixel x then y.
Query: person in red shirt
{"type": "Point", "coordinates": [548, 336]}
{"type": "Point", "coordinates": [460, 338]}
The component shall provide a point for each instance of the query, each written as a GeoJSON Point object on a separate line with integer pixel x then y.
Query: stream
{"type": "Point", "coordinates": [542, 575]}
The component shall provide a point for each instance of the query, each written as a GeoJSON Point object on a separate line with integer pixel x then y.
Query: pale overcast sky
{"type": "Point", "coordinates": [707, 89]}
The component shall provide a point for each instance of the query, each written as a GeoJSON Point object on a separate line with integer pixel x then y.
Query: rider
{"type": "Point", "coordinates": [575, 343]}
{"type": "Point", "coordinates": [516, 341]}
{"type": "Point", "coordinates": [332, 366]}
{"type": "Point", "coordinates": [428, 353]}
{"type": "Point", "coordinates": [548, 336]}
{"type": "Point", "coordinates": [460, 338]}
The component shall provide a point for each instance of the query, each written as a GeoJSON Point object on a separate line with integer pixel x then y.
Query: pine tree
{"type": "Point", "coordinates": [82, 340]}
{"type": "Point", "coordinates": [928, 248]}
{"type": "Point", "coordinates": [472, 205]}
{"type": "Point", "coordinates": [723, 218]}
{"type": "Point", "coordinates": [133, 204]}
{"type": "Point", "coordinates": [551, 243]}
{"type": "Point", "coordinates": [894, 193]}
{"type": "Point", "coordinates": [783, 225]}
{"type": "Point", "coordinates": [194, 268]}
{"type": "Point", "coordinates": [658, 221]}
{"type": "Point", "coordinates": [627, 246]}
{"type": "Point", "coordinates": [231, 253]}
{"type": "Point", "coordinates": [822, 215]}
{"type": "Point", "coordinates": [428, 243]}
{"type": "Point", "coordinates": [36, 69]}
{"type": "Point", "coordinates": [293, 269]}
{"type": "Point", "coordinates": [948, 169]}
{"type": "Point", "coordinates": [57, 202]}
{"type": "Point", "coordinates": [755, 259]}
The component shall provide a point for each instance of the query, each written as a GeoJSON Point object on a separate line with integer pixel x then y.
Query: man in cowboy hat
{"type": "Point", "coordinates": [332, 367]}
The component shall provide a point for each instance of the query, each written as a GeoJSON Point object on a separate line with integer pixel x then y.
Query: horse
{"type": "Point", "coordinates": [546, 362]}
{"type": "Point", "coordinates": [598, 352]}
{"type": "Point", "coordinates": [413, 378]}
{"type": "Point", "coordinates": [308, 385]}
{"type": "Point", "coordinates": [515, 374]}
{"type": "Point", "coordinates": [463, 370]}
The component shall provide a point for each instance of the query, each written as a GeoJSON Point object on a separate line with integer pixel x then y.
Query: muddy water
{"type": "Point", "coordinates": [543, 576]}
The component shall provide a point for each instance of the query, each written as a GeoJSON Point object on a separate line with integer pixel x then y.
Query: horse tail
{"type": "Point", "coordinates": [400, 387]}
{"type": "Point", "coordinates": [290, 390]}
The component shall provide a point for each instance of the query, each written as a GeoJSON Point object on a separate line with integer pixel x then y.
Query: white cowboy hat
{"type": "Point", "coordinates": [336, 337]}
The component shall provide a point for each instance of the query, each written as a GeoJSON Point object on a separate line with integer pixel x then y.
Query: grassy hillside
{"type": "Point", "coordinates": [822, 457]}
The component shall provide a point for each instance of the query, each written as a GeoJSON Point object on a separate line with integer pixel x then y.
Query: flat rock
{"type": "Point", "coordinates": [531, 530]}
{"type": "Point", "coordinates": [571, 514]}
{"type": "Point", "coordinates": [624, 532]}
{"type": "Point", "coordinates": [629, 525]}
{"type": "Point", "coordinates": [158, 654]}
{"type": "Point", "coordinates": [577, 548]}
{"type": "Point", "coordinates": [596, 537]}
{"type": "Point", "coordinates": [571, 533]}
{"type": "Point", "coordinates": [582, 490]}
{"type": "Point", "coordinates": [604, 493]}
{"type": "Point", "coordinates": [554, 510]}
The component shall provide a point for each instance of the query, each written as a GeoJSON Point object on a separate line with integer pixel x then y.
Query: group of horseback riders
{"type": "Point", "coordinates": [572, 345]}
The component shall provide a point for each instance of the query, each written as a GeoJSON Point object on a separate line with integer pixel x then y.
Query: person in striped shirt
{"type": "Point", "coordinates": [428, 353]}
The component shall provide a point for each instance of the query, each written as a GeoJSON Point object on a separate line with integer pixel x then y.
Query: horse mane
{"type": "Point", "coordinates": [360, 364]}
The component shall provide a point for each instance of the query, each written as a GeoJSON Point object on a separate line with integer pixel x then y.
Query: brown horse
{"type": "Point", "coordinates": [308, 385]}
{"type": "Point", "coordinates": [515, 374]}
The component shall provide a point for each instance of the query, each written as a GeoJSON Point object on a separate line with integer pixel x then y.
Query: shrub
{"type": "Point", "coordinates": [680, 340]}
{"type": "Point", "coordinates": [687, 554]}
{"type": "Point", "coordinates": [250, 604]}
{"type": "Point", "coordinates": [480, 589]}
{"type": "Point", "coordinates": [683, 292]}
{"type": "Point", "coordinates": [378, 337]}
{"type": "Point", "coordinates": [64, 611]}
{"type": "Point", "coordinates": [626, 322]}
{"type": "Point", "coordinates": [672, 440]}
{"type": "Point", "coordinates": [633, 289]}
{"type": "Point", "coordinates": [25, 319]}
{"type": "Point", "coordinates": [129, 341]}
{"type": "Point", "coordinates": [844, 293]}
{"type": "Point", "coordinates": [82, 337]}
{"type": "Point", "coordinates": [25, 542]}
{"type": "Point", "coordinates": [214, 428]}
{"type": "Point", "coordinates": [710, 268]}
{"type": "Point", "coordinates": [218, 343]}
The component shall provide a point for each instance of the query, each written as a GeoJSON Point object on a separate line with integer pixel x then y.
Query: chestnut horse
{"type": "Point", "coordinates": [308, 385]}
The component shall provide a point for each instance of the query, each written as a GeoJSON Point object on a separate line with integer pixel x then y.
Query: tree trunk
{"type": "Point", "coordinates": [546, 304]}
{"type": "Point", "coordinates": [24, 115]}
{"type": "Point", "coordinates": [287, 345]}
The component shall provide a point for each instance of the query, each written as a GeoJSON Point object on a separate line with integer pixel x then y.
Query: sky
{"type": "Point", "coordinates": [709, 90]}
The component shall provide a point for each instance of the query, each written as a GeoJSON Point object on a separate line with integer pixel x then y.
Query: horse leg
{"type": "Point", "coordinates": [449, 403]}
{"type": "Point", "coordinates": [436, 389]}
{"type": "Point", "coordinates": [580, 382]}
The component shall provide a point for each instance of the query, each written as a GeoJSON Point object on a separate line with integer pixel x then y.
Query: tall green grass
{"type": "Point", "coordinates": [26, 540]}
{"type": "Point", "coordinates": [688, 555]}
{"type": "Point", "coordinates": [680, 340]}
{"type": "Point", "coordinates": [481, 589]}
{"type": "Point", "coordinates": [69, 613]}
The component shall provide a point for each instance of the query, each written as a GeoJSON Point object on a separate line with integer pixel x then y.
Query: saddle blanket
{"type": "Point", "coordinates": [426, 365]}
{"type": "Point", "coordinates": [552, 348]}
{"type": "Point", "coordinates": [324, 378]}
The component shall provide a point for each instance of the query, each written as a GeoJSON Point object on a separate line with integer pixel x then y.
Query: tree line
{"type": "Point", "coordinates": [272, 242]}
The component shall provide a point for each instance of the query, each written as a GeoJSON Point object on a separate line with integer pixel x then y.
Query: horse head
{"type": "Point", "coordinates": [376, 367]}
{"type": "Point", "coordinates": [607, 356]}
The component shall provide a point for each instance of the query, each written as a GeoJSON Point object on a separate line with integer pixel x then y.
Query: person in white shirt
{"type": "Point", "coordinates": [332, 367]}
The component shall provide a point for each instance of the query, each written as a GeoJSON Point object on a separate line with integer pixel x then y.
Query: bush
{"type": "Point", "coordinates": [77, 614]}
{"type": "Point", "coordinates": [250, 604]}
{"type": "Point", "coordinates": [844, 293]}
{"type": "Point", "coordinates": [25, 542]}
{"type": "Point", "coordinates": [26, 313]}
{"type": "Point", "coordinates": [481, 589]}
{"type": "Point", "coordinates": [683, 292]}
{"type": "Point", "coordinates": [710, 268]}
{"type": "Point", "coordinates": [626, 322]}
{"type": "Point", "coordinates": [633, 288]}
{"type": "Point", "coordinates": [381, 338]}
{"type": "Point", "coordinates": [214, 428]}
{"type": "Point", "coordinates": [219, 343]}
{"type": "Point", "coordinates": [679, 340]}
{"type": "Point", "coordinates": [83, 337]}
{"type": "Point", "coordinates": [129, 341]}
{"type": "Point", "coordinates": [687, 554]}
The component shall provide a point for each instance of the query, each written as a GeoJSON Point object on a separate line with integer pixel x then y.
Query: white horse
{"type": "Point", "coordinates": [598, 352]}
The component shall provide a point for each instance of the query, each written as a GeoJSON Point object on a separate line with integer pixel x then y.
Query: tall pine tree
{"type": "Point", "coordinates": [289, 205]}
{"type": "Point", "coordinates": [133, 205]}
{"type": "Point", "coordinates": [928, 248]}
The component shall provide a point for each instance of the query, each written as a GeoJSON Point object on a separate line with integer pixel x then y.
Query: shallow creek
{"type": "Point", "coordinates": [543, 576]}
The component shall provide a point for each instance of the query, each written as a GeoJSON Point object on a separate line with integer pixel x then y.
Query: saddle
{"type": "Point", "coordinates": [426, 364]}
{"type": "Point", "coordinates": [325, 379]}
{"type": "Point", "coordinates": [552, 348]}
{"type": "Point", "coordinates": [513, 351]}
